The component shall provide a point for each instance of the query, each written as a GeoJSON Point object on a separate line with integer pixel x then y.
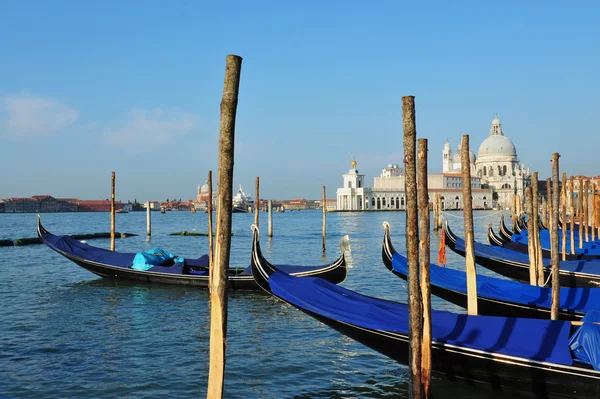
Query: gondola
{"type": "Point", "coordinates": [588, 247]}
{"type": "Point", "coordinates": [497, 240]}
{"type": "Point", "coordinates": [505, 233]}
{"type": "Point", "coordinates": [515, 265]}
{"type": "Point", "coordinates": [496, 297]}
{"type": "Point", "coordinates": [528, 356]}
{"type": "Point", "coordinates": [193, 272]}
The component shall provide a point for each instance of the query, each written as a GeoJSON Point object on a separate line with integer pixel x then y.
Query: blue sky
{"type": "Point", "coordinates": [134, 87]}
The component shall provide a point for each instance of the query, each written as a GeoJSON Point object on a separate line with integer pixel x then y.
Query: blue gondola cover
{"type": "Point", "coordinates": [585, 342]}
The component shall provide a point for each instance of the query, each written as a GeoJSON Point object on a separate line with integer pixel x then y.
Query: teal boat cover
{"type": "Point", "coordinates": [154, 257]}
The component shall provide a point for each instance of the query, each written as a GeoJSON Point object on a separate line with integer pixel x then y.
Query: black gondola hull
{"type": "Point", "coordinates": [501, 373]}
{"type": "Point", "coordinates": [520, 271]}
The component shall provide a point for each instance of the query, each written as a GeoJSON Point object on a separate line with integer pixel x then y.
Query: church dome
{"type": "Point", "coordinates": [204, 188]}
{"type": "Point", "coordinates": [457, 157]}
{"type": "Point", "coordinates": [497, 145]}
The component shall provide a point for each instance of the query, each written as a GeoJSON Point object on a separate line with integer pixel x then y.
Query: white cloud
{"type": "Point", "coordinates": [30, 115]}
{"type": "Point", "coordinates": [149, 129]}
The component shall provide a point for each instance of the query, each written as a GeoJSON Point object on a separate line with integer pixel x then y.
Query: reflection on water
{"type": "Point", "coordinates": [69, 333]}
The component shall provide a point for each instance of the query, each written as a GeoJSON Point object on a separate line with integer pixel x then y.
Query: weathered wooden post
{"type": "Point", "coordinates": [324, 229]}
{"type": "Point", "coordinates": [270, 218]}
{"type": "Point", "coordinates": [435, 215]}
{"type": "Point", "coordinates": [531, 247]}
{"type": "Point", "coordinates": [594, 209]}
{"type": "Point", "coordinates": [257, 203]}
{"type": "Point", "coordinates": [148, 220]}
{"type": "Point", "coordinates": [514, 211]}
{"type": "Point", "coordinates": [584, 214]}
{"type": "Point", "coordinates": [209, 210]}
{"type": "Point", "coordinates": [544, 213]}
{"type": "Point", "coordinates": [536, 228]}
{"type": "Point", "coordinates": [424, 258]}
{"type": "Point", "coordinates": [554, 239]}
{"type": "Point", "coordinates": [412, 248]}
{"type": "Point", "coordinates": [595, 212]}
{"type": "Point", "coordinates": [549, 195]}
{"type": "Point", "coordinates": [572, 218]}
{"type": "Point", "coordinates": [580, 213]}
{"type": "Point", "coordinates": [469, 239]}
{"type": "Point", "coordinates": [563, 209]}
{"type": "Point", "coordinates": [218, 280]}
{"type": "Point", "coordinates": [112, 213]}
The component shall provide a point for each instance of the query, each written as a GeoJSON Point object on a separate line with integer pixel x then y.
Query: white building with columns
{"type": "Point", "coordinates": [497, 164]}
{"type": "Point", "coordinates": [389, 193]}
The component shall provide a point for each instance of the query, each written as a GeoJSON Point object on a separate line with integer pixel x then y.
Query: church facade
{"type": "Point", "coordinates": [496, 163]}
{"type": "Point", "coordinates": [495, 176]}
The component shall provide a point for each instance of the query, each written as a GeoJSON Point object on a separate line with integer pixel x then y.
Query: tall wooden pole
{"type": "Point", "coordinates": [270, 218]}
{"type": "Point", "coordinates": [218, 280]}
{"type": "Point", "coordinates": [563, 210]}
{"type": "Point", "coordinates": [209, 209]}
{"type": "Point", "coordinates": [424, 258]}
{"type": "Point", "coordinates": [593, 215]}
{"type": "Point", "coordinates": [554, 239]}
{"type": "Point", "coordinates": [412, 248]}
{"type": "Point", "coordinates": [572, 219]}
{"type": "Point", "coordinates": [586, 210]}
{"type": "Point", "coordinates": [148, 220]}
{"type": "Point", "coordinates": [549, 195]}
{"type": "Point", "coordinates": [469, 239]}
{"type": "Point", "coordinates": [324, 229]}
{"type": "Point", "coordinates": [112, 212]}
{"type": "Point", "coordinates": [536, 229]}
{"type": "Point", "coordinates": [580, 213]}
{"type": "Point", "coordinates": [256, 203]}
{"type": "Point", "coordinates": [531, 247]}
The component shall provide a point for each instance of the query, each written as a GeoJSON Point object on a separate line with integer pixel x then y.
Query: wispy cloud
{"type": "Point", "coordinates": [29, 115]}
{"type": "Point", "coordinates": [149, 129]}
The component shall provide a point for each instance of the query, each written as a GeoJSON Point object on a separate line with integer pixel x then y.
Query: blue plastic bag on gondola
{"type": "Point", "coordinates": [154, 257]}
{"type": "Point", "coordinates": [585, 342]}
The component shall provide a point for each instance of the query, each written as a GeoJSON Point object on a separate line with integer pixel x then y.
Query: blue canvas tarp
{"type": "Point", "coordinates": [576, 299]}
{"type": "Point", "coordinates": [585, 342]}
{"type": "Point", "coordinates": [154, 257]}
{"type": "Point", "coordinates": [535, 339]}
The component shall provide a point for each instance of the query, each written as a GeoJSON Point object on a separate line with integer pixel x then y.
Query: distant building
{"type": "Point", "coordinates": [97, 205]}
{"type": "Point", "coordinates": [496, 164]}
{"type": "Point", "coordinates": [389, 193]}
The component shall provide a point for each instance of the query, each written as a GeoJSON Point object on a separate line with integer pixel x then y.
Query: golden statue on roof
{"type": "Point", "coordinates": [353, 163]}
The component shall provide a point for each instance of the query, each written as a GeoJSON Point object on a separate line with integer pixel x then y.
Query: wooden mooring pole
{"type": "Point", "coordinates": [539, 273]}
{"type": "Point", "coordinates": [324, 229]}
{"type": "Point", "coordinates": [209, 210]}
{"type": "Point", "coordinates": [468, 217]}
{"type": "Point", "coordinates": [256, 203]}
{"type": "Point", "coordinates": [563, 210]}
{"type": "Point", "coordinates": [593, 215]}
{"type": "Point", "coordinates": [415, 314]}
{"type": "Point", "coordinates": [424, 259]}
{"type": "Point", "coordinates": [218, 280]}
{"type": "Point", "coordinates": [554, 239]}
{"type": "Point", "coordinates": [586, 210]}
{"type": "Point", "coordinates": [270, 218]}
{"type": "Point", "coordinates": [148, 220]}
{"type": "Point", "coordinates": [580, 213]}
{"type": "Point", "coordinates": [572, 219]}
{"type": "Point", "coordinates": [112, 213]}
{"type": "Point", "coordinates": [531, 246]}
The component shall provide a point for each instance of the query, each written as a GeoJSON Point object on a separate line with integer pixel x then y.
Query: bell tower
{"type": "Point", "coordinates": [447, 158]}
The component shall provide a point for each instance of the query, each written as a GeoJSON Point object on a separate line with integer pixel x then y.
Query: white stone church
{"type": "Point", "coordinates": [495, 177]}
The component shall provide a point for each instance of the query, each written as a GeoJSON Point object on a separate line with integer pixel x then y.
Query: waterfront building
{"type": "Point", "coordinates": [389, 193]}
{"type": "Point", "coordinates": [496, 175]}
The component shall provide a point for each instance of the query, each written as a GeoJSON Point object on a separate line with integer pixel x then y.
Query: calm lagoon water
{"type": "Point", "coordinates": [67, 333]}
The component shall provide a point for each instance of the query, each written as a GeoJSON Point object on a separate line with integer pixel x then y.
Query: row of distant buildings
{"type": "Point", "coordinates": [47, 203]}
